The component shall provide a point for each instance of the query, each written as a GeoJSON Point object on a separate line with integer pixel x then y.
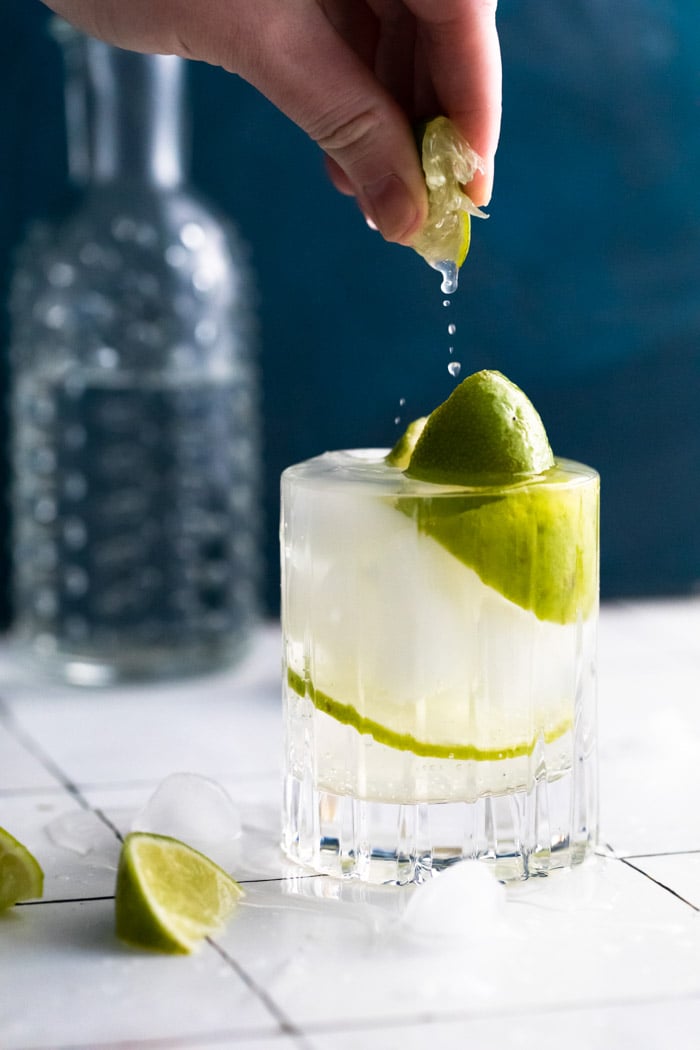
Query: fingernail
{"type": "Point", "coordinates": [390, 206]}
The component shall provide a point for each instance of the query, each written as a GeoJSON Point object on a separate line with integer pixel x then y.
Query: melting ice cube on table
{"type": "Point", "coordinates": [195, 810]}
{"type": "Point", "coordinates": [461, 902]}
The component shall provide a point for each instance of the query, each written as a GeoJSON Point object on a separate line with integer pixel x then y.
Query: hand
{"type": "Point", "coordinates": [354, 74]}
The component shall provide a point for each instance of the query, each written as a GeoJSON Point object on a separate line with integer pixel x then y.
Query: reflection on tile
{"type": "Point", "coordinates": [77, 852]}
{"type": "Point", "coordinates": [601, 934]}
{"type": "Point", "coordinates": [74, 984]}
{"type": "Point", "coordinates": [649, 773]}
{"type": "Point", "coordinates": [229, 1039]}
{"type": "Point", "coordinates": [224, 725]}
{"type": "Point", "coordinates": [148, 737]}
{"type": "Point", "coordinates": [602, 956]}
{"type": "Point", "coordinates": [644, 1026]}
{"type": "Point", "coordinates": [653, 634]}
{"type": "Point", "coordinates": [680, 872]}
{"type": "Point", "coordinates": [255, 854]}
{"type": "Point", "coordinates": [20, 770]}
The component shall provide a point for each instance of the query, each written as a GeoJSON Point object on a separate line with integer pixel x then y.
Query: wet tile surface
{"type": "Point", "coordinates": [607, 955]}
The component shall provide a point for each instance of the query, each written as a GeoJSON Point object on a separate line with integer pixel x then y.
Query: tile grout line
{"type": "Point", "coordinates": [286, 1026]}
{"type": "Point", "coordinates": [428, 1019]}
{"type": "Point", "coordinates": [164, 1042]}
{"type": "Point", "coordinates": [50, 765]}
{"type": "Point", "coordinates": [661, 853]}
{"type": "Point", "coordinates": [661, 885]}
{"type": "Point", "coordinates": [42, 901]}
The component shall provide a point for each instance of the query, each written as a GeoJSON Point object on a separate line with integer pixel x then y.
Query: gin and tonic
{"type": "Point", "coordinates": [439, 668]}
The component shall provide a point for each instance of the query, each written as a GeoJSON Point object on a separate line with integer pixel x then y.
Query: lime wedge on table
{"type": "Point", "coordinates": [21, 877]}
{"type": "Point", "coordinates": [449, 163]}
{"type": "Point", "coordinates": [169, 897]}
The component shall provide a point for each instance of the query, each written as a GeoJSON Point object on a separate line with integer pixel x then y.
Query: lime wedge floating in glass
{"type": "Point", "coordinates": [449, 163]}
{"type": "Point", "coordinates": [402, 451]}
{"type": "Point", "coordinates": [486, 430]}
{"type": "Point", "coordinates": [21, 877]}
{"type": "Point", "coordinates": [169, 897]}
{"type": "Point", "coordinates": [530, 537]}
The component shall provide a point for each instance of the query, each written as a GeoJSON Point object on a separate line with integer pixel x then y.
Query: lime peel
{"type": "Point", "coordinates": [402, 451]}
{"type": "Point", "coordinates": [399, 741]}
{"type": "Point", "coordinates": [526, 528]}
{"type": "Point", "coordinates": [449, 163]}
{"type": "Point", "coordinates": [169, 897]}
{"type": "Point", "coordinates": [486, 430]}
{"type": "Point", "coordinates": [21, 877]}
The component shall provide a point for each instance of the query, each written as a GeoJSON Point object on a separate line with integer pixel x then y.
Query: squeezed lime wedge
{"type": "Point", "coordinates": [449, 164]}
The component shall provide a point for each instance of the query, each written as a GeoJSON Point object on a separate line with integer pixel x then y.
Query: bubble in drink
{"type": "Point", "coordinates": [195, 810]}
{"type": "Point", "coordinates": [454, 368]}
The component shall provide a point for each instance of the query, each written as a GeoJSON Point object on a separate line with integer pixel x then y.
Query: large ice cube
{"type": "Point", "coordinates": [195, 810]}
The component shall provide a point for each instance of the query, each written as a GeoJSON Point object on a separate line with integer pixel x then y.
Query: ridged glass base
{"type": "Point", "coordinates": [520, 834]}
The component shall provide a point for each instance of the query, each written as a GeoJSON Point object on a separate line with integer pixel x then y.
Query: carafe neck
{"type": "Point", "coordinates": [124, 114]}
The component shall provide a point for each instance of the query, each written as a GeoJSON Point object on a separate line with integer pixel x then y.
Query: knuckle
{"type": "Point", "coordinates": [347, 134]}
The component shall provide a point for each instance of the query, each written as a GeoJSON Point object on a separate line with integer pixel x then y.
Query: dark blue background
{"type": "Point", "coordinates": [583, 286]}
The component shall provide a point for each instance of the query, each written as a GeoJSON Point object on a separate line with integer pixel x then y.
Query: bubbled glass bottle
{"type": "Point", "coordinates": [135, 417]}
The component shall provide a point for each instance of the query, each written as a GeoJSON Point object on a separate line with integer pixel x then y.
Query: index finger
{"type": "Point", "coordinates": [460, 47]}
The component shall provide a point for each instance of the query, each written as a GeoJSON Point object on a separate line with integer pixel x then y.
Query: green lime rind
{"type": "Point", "coordinates": [448, 164]}
{"type": "Point", "coordinates": [537, 544]}
{"type": "Point", "coordinates": [349, 715]}
{"type": "Point", "coordinates": [169, 897]}
{"type": "Point", "coordinates": [402, 451]}
{"type": "Point", "coordinates": [21, 877]}
{"type": "Point", "coordinates": [487, 430]}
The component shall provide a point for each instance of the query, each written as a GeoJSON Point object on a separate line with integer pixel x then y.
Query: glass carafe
{"type": "Point", "coordinates": [135, 414]}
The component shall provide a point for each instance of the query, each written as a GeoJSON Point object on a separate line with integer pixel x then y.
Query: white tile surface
{"type": "Point", "coordinates": [644, 1026]}
{"type": "Point", "coordinates": [649, 732]}
{"type": "Point", "coordinates": [603, 934]}
{"type": "Point", "coordinates": [19, 769]}
{"type": "Point", "coordinates": [77, 852]}
{"type": "Point", "coordinates": [74, 984]}
{"type": "Point", "coordinates": [605, 957]}
{"type": "Point", "coordinates": [221, 725]}
{"type": "Point", "coordinates": [679, 872]}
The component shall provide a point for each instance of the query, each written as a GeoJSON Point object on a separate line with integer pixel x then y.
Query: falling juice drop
{"type": "Point", "coordinates": [454, 368]}
{"type": "Point", "coordinates": [450, 276]}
